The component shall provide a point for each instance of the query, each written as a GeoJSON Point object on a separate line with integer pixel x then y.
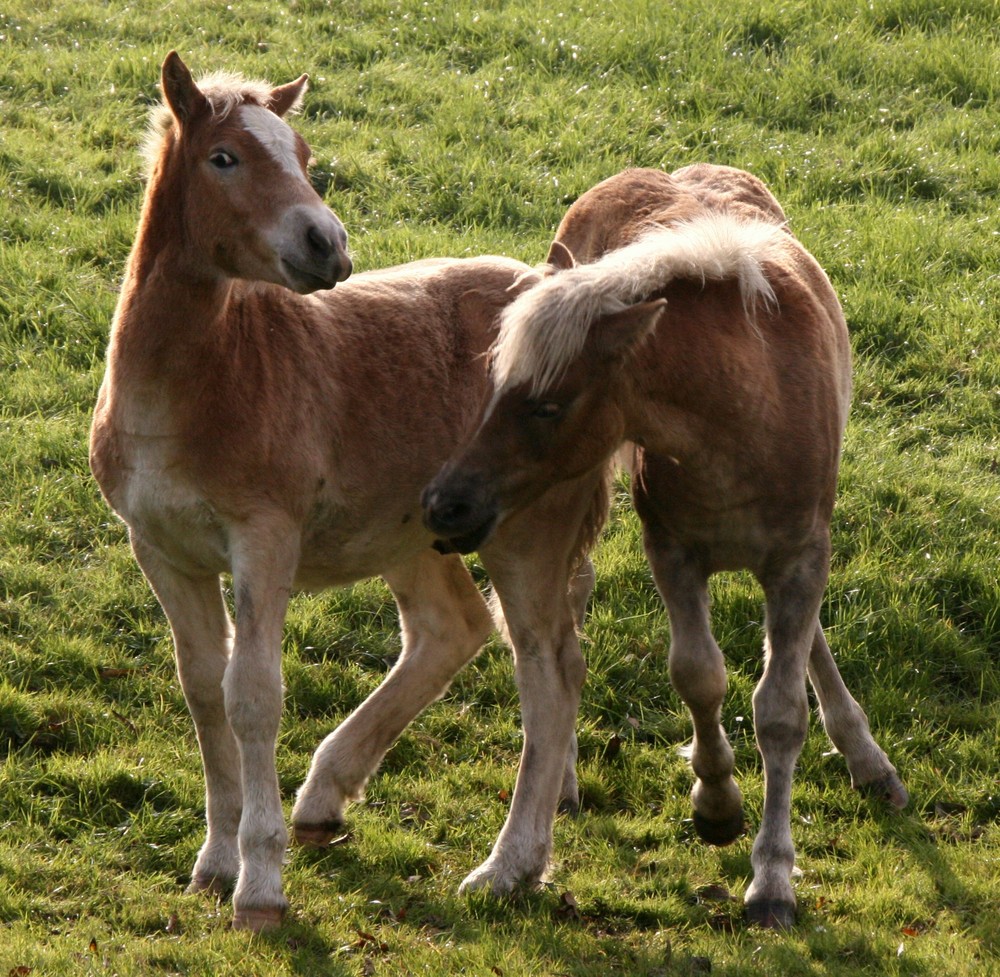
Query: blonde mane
{"type": "Point", "coordinates": [545, 329]}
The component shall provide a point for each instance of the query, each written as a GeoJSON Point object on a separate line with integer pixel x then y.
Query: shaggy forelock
{"type": "Point", "coordinates": [224, 90]}
{"type": "Point", "coordinates": [545, 329]}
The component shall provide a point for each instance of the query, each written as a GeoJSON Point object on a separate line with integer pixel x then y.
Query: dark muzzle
{"type": "Point", "coordinates": [460, 512]}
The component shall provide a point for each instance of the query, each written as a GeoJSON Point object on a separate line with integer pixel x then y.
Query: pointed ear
{"type": "Point", "coordinates": [179, 90]}
{"type": "Point", "coordinates": [560, 257]}
{"type": "Point", "coordinates": [286, 98]}
{"type": "Point", "coordinates": [617, 334]}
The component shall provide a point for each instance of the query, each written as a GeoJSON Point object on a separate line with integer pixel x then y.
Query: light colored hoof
{"type": "Point", "coordinates": [497, 882]}
{"type": "Point", "coordinates": [258, 920]}
{"type": "Point", "coordinates": [484, 880]}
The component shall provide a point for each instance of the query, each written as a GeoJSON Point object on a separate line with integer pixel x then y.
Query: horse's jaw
{"type": "Point", "coordinates": [461, 512]}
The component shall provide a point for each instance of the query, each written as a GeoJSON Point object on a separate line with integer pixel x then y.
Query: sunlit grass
{"type": "Point", "coordinates": [453, 128]}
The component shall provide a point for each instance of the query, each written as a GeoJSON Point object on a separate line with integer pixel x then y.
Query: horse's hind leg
{"type": "Point", "coordinates": [781, 712]}
{"type": "Point", "coordinates": [847, 726]}
{"type": "Point", "coordinates": [444, 622]}
{"type": "Point", "coordinates": [698, 673]}
{"type": "Point", "coordinates": [203, 636]}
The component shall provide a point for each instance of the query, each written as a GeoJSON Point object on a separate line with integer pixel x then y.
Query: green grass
{"type": "Point", "coordinates": [453, 128]}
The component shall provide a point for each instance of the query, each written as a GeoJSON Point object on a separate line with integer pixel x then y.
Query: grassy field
{"type": "Point", "coordinates": [454, 128]}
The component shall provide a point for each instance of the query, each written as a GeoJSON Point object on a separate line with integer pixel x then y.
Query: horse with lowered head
{"type": "Point", "coordinates": [702, 334]}
{"type": "Point", "coordinates": [257, 421]}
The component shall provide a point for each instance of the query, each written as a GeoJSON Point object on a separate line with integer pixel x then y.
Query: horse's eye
{"type": "Point", "coordinates": [546, 410]}
{"type": "Point", "coordinates": [222, 160]}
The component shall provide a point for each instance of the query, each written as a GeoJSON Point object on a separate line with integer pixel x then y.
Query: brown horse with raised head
{"type": "Point", "coordinates": [703, 334]}
{"type": "Point", "coordinates": [254, 422]}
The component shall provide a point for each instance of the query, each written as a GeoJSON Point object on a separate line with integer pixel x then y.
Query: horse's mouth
{"type": "Point", "coordinates": [304, 281]}
{"type": "Point", "coordinates": [467, 542]}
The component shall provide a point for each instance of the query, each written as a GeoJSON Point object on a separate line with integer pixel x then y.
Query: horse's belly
{"type": "Point", "coordinates": [344, 537]}
{"type": "Point", "coordinates": [339, 548]}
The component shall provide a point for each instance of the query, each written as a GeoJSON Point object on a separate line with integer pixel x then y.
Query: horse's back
{"type": "Point", "coordinates": [409, 340]}
{"type": "Point", "coordinates": [743, 384]}
{"type": "Point", "coordinates": [733, 190]}
{"type": "Point", "coordinates": [422, 300]}
{"type": "Point", "coordinates": [618, 210]}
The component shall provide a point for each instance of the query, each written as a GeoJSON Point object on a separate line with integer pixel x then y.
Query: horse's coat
{"type": "Point", "coordinates": [284, 438]}
{"type": "Point", "coordinates": [703, 334]}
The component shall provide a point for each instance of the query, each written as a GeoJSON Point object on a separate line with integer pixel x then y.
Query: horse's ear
{"type": "Point", "coordinates": [560, 257]}
{"type": "Point", "coordinates": [181, 93]}
{"type": "Point", "coordinates": [618, 333]}
{"type": "Point", "coordinates": [286, 98]}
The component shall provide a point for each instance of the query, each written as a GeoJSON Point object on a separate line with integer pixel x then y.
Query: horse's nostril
{"type": "Point", "coordinates": [445, 514]}
{"type": "Point", "coordinates": [453, 513]}
{"type": "Point", "coordinates": [319, 242]}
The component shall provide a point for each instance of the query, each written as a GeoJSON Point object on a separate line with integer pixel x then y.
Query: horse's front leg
{"type": "Point", "coordinates": [542, 602]}
{"type": "Point", "coordinates": [781, 714]}
{"type": "Point", "coordinates": [581, 586]}
{"type": "Point", "coordinates": [550, 672]}
{"type": "Point", "coordinates": [444, 623]}
{"type": "Point", "coordinates": [203, 635]}
{"type": "Point", "coordinates": [264, 561]}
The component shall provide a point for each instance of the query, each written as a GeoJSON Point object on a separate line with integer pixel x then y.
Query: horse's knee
{"type": "Point", "coordinates": [572, 666]}
{"type": "Point", "coordinates": [700, 679]}
{"type": "Point", "coordinates": [780, 716]}
{"type": "Point", "coordinates": [253, 701]}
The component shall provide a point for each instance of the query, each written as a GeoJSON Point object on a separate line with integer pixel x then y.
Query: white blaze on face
{"type": "Point", "coordinates": [274, 135]}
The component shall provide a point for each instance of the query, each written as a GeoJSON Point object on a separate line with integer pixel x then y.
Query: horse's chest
{"type": "Point", "coordinates": [160, 502]}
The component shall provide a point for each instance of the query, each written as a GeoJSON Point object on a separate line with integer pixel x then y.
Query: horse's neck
{"type": "Point", "coordinates": [161, 315]}
{"type": "Point", "coordinates": [176, 336]}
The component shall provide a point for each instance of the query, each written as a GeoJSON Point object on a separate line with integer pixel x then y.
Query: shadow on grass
{"type": "Point", "coordinates": [398, 909]}
{"type": "Point", "coordinates": [934, 848]}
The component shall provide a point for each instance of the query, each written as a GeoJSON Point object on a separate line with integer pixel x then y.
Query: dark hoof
{"type": "Point", "coordinates": [771, 915]}
{"type": "Point", "coordinates": [221, 888]}
{"type": "Point", "coordinates": [719, 833]}
{"type": "Point", "coordinates": [570, 806]}
{"type": "Point", "coordinates": [317, 835]}
{"type": "Point", "coordinates": [888, 789]}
